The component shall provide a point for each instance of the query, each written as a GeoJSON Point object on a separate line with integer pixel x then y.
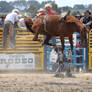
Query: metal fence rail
{"type": "Point", "coordinates": [25, 45]}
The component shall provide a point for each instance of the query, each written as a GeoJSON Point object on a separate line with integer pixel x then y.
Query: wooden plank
{"type": "Point", "coordinates": [28, 45]}
{"type": "Point", "coordinates": [27, 41]}
{"type": "Point", "coordinates": [1, 29]}
{"type": "Point", "coordinates": [24, 48]}
{"type": "Point", "coordinates": [19, 51]}
{"type": "Point", "coordinates": [28, 36]}
{"type": "Point", "coordinates": [19, 33]}
{"type": "Point", "coordinates": [1, 33]}
{"type": "Point", "coordinates": [21, 45]}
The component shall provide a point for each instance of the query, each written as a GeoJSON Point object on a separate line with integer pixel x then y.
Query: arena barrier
{"type": "Point", "coordinates": [28, 54]}
{"type": "Point", "coordinates": [77, 58]}
{"type": "Point", "coordinates": [90, 50]}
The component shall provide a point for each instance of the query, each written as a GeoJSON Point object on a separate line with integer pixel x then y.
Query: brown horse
{"type": "Point", "coordinates": [55, 25]}
{"type": "Point", "coordinates": [51, 26]}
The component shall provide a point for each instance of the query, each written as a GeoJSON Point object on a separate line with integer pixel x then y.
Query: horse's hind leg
{"type": "Point", "coordinates": [68, 70]}
{"type": "Point", "coordinates": [60, 60]}
{"type": "Point", "coordinates": [62, 42]}
{"type": "Point", "coordinates": [70, 54]}
{"type": "Point", "coordinates": [59, 70]}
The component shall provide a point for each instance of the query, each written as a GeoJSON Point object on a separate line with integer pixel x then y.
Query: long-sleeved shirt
{"type": "Point", "coordinates": [51, 12]}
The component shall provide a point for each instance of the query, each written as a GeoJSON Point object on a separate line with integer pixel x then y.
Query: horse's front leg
{"type": "Point", "coordinates": [60, 60]}
{"type": "Point", "coordinates": [36, 37]}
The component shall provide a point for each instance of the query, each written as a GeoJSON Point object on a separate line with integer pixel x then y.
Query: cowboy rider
{"type": "Point", "coordinates": [48, 8]}
{"type": "Point", "coordinates": [41, 12]}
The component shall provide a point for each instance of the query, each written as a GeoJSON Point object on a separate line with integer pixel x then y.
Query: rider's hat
{"type": "Point", "coordinates": [78, 15]}
{"type": "Point", "coordinates": [48, 5]}
{"type": "Point", "coordinates": [87, 11]}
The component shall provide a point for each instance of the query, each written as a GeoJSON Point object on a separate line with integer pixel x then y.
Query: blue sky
{"type": "Point", "coordinates": [66, 2]}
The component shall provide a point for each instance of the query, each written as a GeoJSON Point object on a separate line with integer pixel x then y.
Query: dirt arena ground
{"type": "Point", "coordinates": [41, 82]}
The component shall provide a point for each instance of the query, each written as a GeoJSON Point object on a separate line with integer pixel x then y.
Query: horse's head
{"type": "Point", "coordinates": [84, 37]}
{"type": "Point", "coordinates": [81, 28]}
{"type": "Point", "coordinates": [29, 23]}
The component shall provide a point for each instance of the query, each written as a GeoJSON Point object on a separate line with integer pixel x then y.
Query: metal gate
{"type": "Point", "coordinates": [78, 53]}
{"type": "Point", "coordinates": [28, 54]}
{"type": "Point", "coordinates": [90, 50]}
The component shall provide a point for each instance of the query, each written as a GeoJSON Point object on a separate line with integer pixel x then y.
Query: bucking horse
{"type": "Point", "coordinates": [57, 26]}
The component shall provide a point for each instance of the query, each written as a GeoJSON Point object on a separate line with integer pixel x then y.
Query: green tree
{"type": "Point", "coordinates": [56, 8]}
{"type": "Point", "coordinates": [32, 10]}
{"type": "Point", "coordinates": [5, 6]}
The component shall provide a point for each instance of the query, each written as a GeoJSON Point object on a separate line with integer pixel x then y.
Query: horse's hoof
{"type": "Point", "coordinates": [59, 75]}
{"type": "Point", "coordinates": [69, 60]}
{"type": "Point", "coordinates": [53, 45]}
{"type": "Point", "coordinates": [69, 75]}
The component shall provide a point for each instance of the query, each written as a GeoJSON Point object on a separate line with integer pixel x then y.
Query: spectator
{"type": "Point", "coordinates": [9, 22]}
{"type": "Point", "coordinates": [87, 19]}
{"type": "Point", "coordinates": [2, 18]}
{"type": "Point", "coordinates": [77, 45]}
{"type": "Point", "coordinates": [21, 23]}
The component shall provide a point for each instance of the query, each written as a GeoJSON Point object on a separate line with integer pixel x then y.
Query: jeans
{"type": "Point", "coordinates": [8, 31]}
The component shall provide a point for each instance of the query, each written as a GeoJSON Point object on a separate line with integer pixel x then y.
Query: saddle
{"type": "Point", "coordinates": [62, 18]}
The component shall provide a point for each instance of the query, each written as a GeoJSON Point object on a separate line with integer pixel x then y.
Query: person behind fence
{"type": "Point", "coordinates": [87, 19]}
{"type": "Point", "coordinates": [21, 23]}
{"type": "Point", "coordinates": [9, 22]}
{"type": "Point", "coordinates": [2, 18]}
